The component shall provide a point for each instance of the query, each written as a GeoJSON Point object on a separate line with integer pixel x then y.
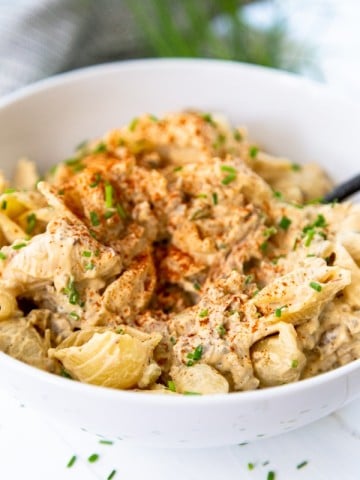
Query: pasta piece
{"type": "Point", "coordinates": [200, 378]}
{"type": "Point", "coordinates": [26, 175]}
{"type": "Point", "coordinates": [8, 305]}
{"type": "Point", "coordinates": [277, 359]}
{"type": "Point", "coordinates": [104, 357]}
{"type": "Point", "coordinates": [22, 341]}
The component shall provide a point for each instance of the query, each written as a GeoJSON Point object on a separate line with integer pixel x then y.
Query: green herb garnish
{"type": "Point", "coordinates": [10, 190]}
{"type": "Point", "coordinates": [269, 232]}
{"type": "Point", "coordinates": [106, 442]}
{"type": "Point", "coordinates": [285, 223]}
{"type": "Point", "coordinates": [121, 212]}
{"type": "Point", "coordinates": [109, 214]}
{"type": "Point", "coordinates": [194, 356]}
{"type": "Point", "coordinates": [264, 246]}
{"type": "Point", "coordinates": [295, 363]}
{"type": "Point", "coordinates": [109, 192]}
{"type": "Point", "coordinates": [295, 167]}
{"type": "Point", "coordinates": [71, 461]}
{"type": "Point", "coordinates": [93, 458]}
{"type": "Point", "coordinates": [111, 475]}
{"type": "Point", "coordinates": [171, 386]}
{"type": "Point", "coordinates": [4, 205]}
{"type": "Point", "coordinates": [316, 286]}
{"type": "Point", "coordinates": [97, 180]}
{"type": "Point", "coordinates": [2, 256]}
{"type": "Point", "coordinates": [100, 148]}
{"type": "Point", "coordinates": [250, 466]}
{"type": "Point", "coordinates": [215, 198]}
{"type": "Point", "coordinates": [72, 293]}
{"type": "Point", "coordinates": [197, 286]}
{"type": "Point", "coordinates": [89, 266]}
{"type": "Point", "coordinates": [204, 313]}
{"type": "Point", "coordinates": [94, 219]}
{"type": "Point", "coordinates": [200, 214]}
{"type": "Point", "coordinates": [192, 393]}
{"type": "Point", "coordinates": [30, 223]}
{"type": "Point", "coordinates": [221, 330]}
{"type": "Point", "coordinates": [86, 253]}
{"type": "Point", "coordinates": [208, 118]}
{"type": "Point", "coordinates": [74, 315]}
{"type": "Point", "coordinates": [278, 311]}
{"type": "Point", "coordinates": [253, 151]}
{"type": "Point", "coordinates": [302, 464]}
{"type": "Point", "coordinates": [277, 195]}
{"type": "Point", "coordinates": [237, 135]}
{"type": "Point", "coordinates": [177, 169]}
{"type": "Point", "coordinates": [18, 246]}
{"type": "Point", "coordinates": [133, 124]}
{"type": "Point", "coordinates": [271, 476]}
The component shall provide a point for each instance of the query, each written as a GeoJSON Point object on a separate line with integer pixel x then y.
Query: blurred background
{"type": "Point", "coordinates": [316, 38]}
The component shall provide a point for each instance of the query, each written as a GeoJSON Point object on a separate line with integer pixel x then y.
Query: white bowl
{"type": "Point", "coordinates": [288, 116]}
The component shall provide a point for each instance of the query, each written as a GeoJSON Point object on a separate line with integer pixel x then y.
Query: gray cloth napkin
{"type": "Point", "coordinates": [39, 38]}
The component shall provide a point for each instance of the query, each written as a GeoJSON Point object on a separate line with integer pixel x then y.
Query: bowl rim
{"type": "Point", "coordinates": [82, 74]}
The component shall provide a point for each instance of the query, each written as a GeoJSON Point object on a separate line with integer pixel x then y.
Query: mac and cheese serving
{"type": "Point", "coordinates": [174, 255]}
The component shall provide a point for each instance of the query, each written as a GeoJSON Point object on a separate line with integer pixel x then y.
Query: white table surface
{"type": "Point", "coordinates": [33, 446]}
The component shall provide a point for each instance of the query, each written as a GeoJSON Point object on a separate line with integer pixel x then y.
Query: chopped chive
{"type": "Point", "coordinates": [264, 246]}
{"type": "Point", "coordinates": [93, 234]}
{"type": "Point", "coordinates": [120, 331]}
{"type": "Point", "coordinates": [253, 151]}
{"type": "Point", "coordinates": [2, 256]}
{"type": "Point", "coordinates": [250, 466]}
{"type": "Point", "coordinates": [278, 311]}
{"type": "Point", "coordinates": [249, 279]}
{"type": "Point", "coordinates": [89, 266]}
{"type": "Point", "coordinates": [191, 393]}
{"type": "Point", "coordinates": [74, 315]}
{"type": "Point", "coordinates": [320, 221]}
{"type": "Point", "coordinates": [121, 211]}
{"type": "Point", "coordinates": [4, 205]}
{"type": "Point", "coordinates": [97, 180]}
{"type": "Point", "coordinates": [94, 219]}
{"type": "Point", "coordinates": [219, 142]}
{"type": "Point", "coordinates": [200, 214]}
{"type": "Point", "coordinates": [109, 214]}
{"type": "Point", "coordinates": [172, 340]}
{"type": "Point", "coordinates": [72, 293]}
{"type": "Point", "coordinates": [269, 232]}
{"type": "Point", "coordinates": [204, 313]}
{"type": "Point", "coordinates": [208, 118]}
{"type": "Point", "coordinates": [93, 458]}
{"type": "Point", "coordinates": [10, 190]}
{"type": "Point", "coordinates": [221, 330]}
{"type": "Point", "coordinates": [64, 373]}
{"type": "Point", "coordinates": [302, 464]}
{"type": "Point", "coordinates": [228, 179]}
{"type": "Point", "coordinates": [295, 363]}
{"type": "Point", "coordinates": [277, 194]}
{"type": "Point", "coordinates": [237, 135]}
{"type": "Point", "coordinates": [228, 168]}
{"type": "Point", "coordinates": [201, 195]}
{"type": "Point", "coordinates": [109, 192]}
{"type": "Point", "coordinates": [171, 386]}
{"type": "Point", "coordinates": [189, 363]}
{"type": "Point", "coordinates": [255, 293]}
{"type": "Point", "coordinates": [316, 286]}
{"type": "Point", "coordinates": [18, 246]}
{"type": "Point", "coordinates": [195, 355]}
{"type": "Point", "coordinates": [86, 253]}
{"type": "Point", "coordinates": [71, 461]}
{"type": "Point", "coordinates": [271, 476]}
{"type": "Point", "coordinates": [295, 167]}
{"type": "Point", "coordinates": [215, 198]}
{"type": "Point", "coordinates": [30, 223]}
{"type": "Point", "coordinates": [197, 286]}
{"type": "Point", "coordinates": [106, 442]}
{"type": "Point", "coordinates": [97, 252]}
{"type": "Point", "coordinates": [177, 169]}
{"type": "Point", "coordinates": [100, 148]}
{"type": "Point", "coordinates": [81, 145]}
{"type": "Point", "coordinates": [309, 237]}
{"type": "Point", "coordinates": [111, 475]}
{"type": "Point", "coordinates": [133, 124]}
{"type": "Point", "coordinates": [285, 223]}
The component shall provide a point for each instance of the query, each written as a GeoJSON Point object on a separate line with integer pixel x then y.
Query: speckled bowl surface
{"type": "Point", "coordinates": [288, 116]}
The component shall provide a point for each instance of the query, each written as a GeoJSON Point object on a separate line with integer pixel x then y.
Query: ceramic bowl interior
{"type": "Point", "coordinates": [286, 115]}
